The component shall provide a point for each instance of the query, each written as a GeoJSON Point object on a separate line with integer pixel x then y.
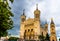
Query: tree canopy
{"type": "Point", "coordinates": [59, 39]}
{"type": "Point", "coordinates": [44, 38]}
{"type": "Point", "coordinates": [47, 37]}
{"type": "Point", "coordinates": [13, 38]}
{"type": "Point", "coordinates": [6, 22]}
{"type": "Point", "coordinates": [41, 37]}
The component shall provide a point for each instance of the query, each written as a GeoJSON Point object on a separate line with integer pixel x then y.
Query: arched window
{"type": "Point", "coordinates": [31, 30]}
{"type": "Point", "coordinates": [28, 30]}
{"type": "Point", "coordinates": [25, 31]}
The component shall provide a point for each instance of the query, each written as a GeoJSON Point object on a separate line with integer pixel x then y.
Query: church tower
{"type": "Point", "coordinates": [37, 13]}
{"type": "Point", "coordinates": [52, 31]}
{"type": "Point", "coordinates": [23, 17]}
{"type": "Point", "coordinates": [46, 28]}
{"type": "Point", "coordinates": [46, 25]}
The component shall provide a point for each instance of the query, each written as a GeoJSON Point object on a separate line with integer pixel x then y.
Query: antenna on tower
{"type": "Point", "coordinates": [37, 6]}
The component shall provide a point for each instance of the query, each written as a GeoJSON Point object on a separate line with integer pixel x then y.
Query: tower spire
{"type": "Point", "coordinates": [24, 12]}
{"type": "Point", "coordinates": [45, 21]}
{"type": "Point", "coordinates": [52, 21]}
{"type": "Point", "coordinates": [36, 6]}
{"type": "Point", "coordinates": [23, 17]}
{"type": "Point", "coordinates": [52, 31]}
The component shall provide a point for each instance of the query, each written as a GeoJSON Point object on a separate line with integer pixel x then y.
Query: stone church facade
{"type": "Point", "coordinates": [31, 28]}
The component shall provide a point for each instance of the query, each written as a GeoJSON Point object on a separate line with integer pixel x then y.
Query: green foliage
{"type": "Point", "coordinates": [41, 37]}
{"type": "Point", "coordinates": [47, 37]}
{"type": "Point", "coordinates": [7, 0]}
{"type": "Point", "coordinates": [12, 1]}
{"type": "Point", "coordinates": [6, 22]}
{"type": "Point", "coordinates": [13, 39]}
{"type": "Point", "coordinates": [59, 39]}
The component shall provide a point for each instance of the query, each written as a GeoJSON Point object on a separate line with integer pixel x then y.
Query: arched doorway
{"type": "Point", "coordinates": [53, 40]}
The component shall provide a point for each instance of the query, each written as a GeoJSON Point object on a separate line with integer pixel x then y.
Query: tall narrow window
{"type": "Point", "coordinates": [31, 30]}
{"type": "Point", "coordinates": [28, 30]}
{"type": "Point", "coordinates": [25, 31]}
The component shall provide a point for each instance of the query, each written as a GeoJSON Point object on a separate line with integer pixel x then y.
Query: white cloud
{"type": "Point", "coordinates": [14, 36]}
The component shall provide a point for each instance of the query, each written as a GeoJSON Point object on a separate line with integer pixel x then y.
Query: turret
{"type": "Point", "coordinates": [52, 27]}
{"type": "Point", "coordinates": [37, 13]}
{"type": "Point", "coordinates": [46, 26]}
{"type": "Point", "coordinates": [52, 23]}
{"type": "Point", "coordinates": [52, 31]}
{"type": "Point", "coordinates": [23, 17]}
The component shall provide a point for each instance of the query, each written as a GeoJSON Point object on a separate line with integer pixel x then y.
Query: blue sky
{"type": "Point", "coordinates": [48, 8]}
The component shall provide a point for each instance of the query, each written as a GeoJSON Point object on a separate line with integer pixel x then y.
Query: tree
{"type": "Point", "coordinates": [6, 22]}
{"type": "Point", "coordinates": [13, 39]}
{"type": "Point", "coordinates": [47, 37]}
{"type": "Point", "coordinates": [59, 39]}
{"type": "Point", "coordinates": [41, 37]}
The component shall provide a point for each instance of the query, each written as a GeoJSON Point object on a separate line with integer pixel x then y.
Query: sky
{"type": "Point", "coordinates": [48, 8]}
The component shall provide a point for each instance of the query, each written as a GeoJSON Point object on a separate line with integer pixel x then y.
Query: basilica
{"type": "Point", "coordinates": [31, 28]}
